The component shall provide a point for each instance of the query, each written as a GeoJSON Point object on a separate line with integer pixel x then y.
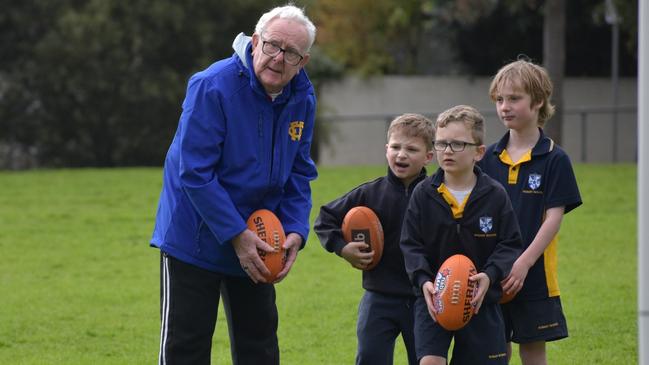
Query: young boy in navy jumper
{"type": "Point", "coordinates": [541, 184]}
{"type": "Point", "coordinates": [460, 210]}
{"type": "Point", "coordinates": [386, 307]}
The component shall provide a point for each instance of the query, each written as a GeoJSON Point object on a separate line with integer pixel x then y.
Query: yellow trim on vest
{"type": "Point", "coordinates": [514, 168]}
{"type": "Point", "coordinates": [550, 263]}
{"type": "Point", "coordinates": [456, 209]}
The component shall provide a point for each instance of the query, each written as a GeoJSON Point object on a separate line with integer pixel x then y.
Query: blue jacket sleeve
{"type": "Point", "coordinates": [201, 140]}
{"type": "Point", "coordinates": [295, 206]}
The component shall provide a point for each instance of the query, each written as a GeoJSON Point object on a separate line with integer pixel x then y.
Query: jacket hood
{"type": "Point", "coordinates": [240, 45]}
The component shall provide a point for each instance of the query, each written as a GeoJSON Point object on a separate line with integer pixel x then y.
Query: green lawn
{"type": "Point", "coordinates": [79, 284]}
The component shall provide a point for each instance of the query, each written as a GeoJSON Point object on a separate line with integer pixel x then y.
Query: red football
{"type": "Point", "coordinates": [454, 292]}
{"type": "Point", "coordinates": [269, 229]}
{"type": "Point", "coordinates": [362, 224]}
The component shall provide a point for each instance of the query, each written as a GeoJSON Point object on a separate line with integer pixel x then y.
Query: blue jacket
{"type": "Point", "coordinates": [235, 151]}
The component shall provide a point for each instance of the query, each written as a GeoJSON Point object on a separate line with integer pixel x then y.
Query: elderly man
{"type": "Point", "coordinates": [242, 144]}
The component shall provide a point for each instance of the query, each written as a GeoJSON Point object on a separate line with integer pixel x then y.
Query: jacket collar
{"type": "Point", "coordinates": [481, 186]}
{"type": "Point", "coordinates": [395, 180]}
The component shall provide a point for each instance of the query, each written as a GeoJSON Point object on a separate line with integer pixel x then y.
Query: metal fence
{"type": "Point", "coordinates": [589, 134]}
{"type": "Point", "coordinates": [613, 114]}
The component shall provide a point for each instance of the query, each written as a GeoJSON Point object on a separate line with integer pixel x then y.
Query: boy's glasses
{"type": "Point", "coordinates": [291, 57]}
{"type": "Point", "coordinates": [456, 146]}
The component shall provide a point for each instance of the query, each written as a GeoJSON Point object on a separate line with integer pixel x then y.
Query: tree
{"type": "Point", "coordinates": [19, 106]}
{"type": "Point", "coordinates": [554, 56]}
{"type": "Point", "coordinates": [467, 37]}
{"type": "Point", "coordinates": [371, 36]}
{"type": "Point", "coordinates": [101, 82]}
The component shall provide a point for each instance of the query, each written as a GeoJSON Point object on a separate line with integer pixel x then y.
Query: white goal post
{"type": "Point", "coordinates": [643, 182]}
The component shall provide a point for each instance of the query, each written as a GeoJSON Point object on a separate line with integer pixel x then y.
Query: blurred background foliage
{"type": "Point", "coordinates": [467, 37]}
{"type": "Point", "coordinates": [100, 82]}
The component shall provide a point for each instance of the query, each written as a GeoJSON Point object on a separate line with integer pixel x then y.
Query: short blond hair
{"type": "Point", "coordinates": [414, 125]}
{"type": "Point", "coordinates": [469, 116]}
{"type": "Point", "coordinates": [533, 79]}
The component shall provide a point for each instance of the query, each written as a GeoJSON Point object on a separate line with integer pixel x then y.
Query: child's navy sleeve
{"type": "Point", "coordinates": [562, 189]}
{"type": "Point", "coordinates": [329, 221]}
{"type": "Point", "coordinates": [412, 244]}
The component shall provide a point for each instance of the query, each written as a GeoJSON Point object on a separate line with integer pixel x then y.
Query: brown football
{"type": "Point", "coordinates": [268, 228]}
{"type": "Point", "coordinates": [454, 292]}
{"type": "Point", "coordinates": [362, 224]}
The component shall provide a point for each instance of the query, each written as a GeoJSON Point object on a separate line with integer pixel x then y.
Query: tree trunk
{"type": "Point", "coordinates": [554, 57]}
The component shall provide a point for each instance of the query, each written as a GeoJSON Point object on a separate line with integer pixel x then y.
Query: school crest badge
{"type": "Point", "coordinates": [486, 224]}
{"type": "Point", "coordinates": [295, 130]}
{"type": "Point", "coordinates": [534, 181]}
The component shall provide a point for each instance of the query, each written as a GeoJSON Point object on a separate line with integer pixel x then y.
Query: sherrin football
{"type": "Point", "coordinates": [362, 225]}
{"type": "Point", "coordinates": [454, 292]}
{"type": "Point", "coordinates": [268, 228]}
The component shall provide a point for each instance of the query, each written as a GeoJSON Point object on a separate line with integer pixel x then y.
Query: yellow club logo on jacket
{"type": "Point", "coordinates": [295, 130]}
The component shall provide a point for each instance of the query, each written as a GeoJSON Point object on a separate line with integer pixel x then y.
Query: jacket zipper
{"type": "Point", "coordinates": [198, 236]}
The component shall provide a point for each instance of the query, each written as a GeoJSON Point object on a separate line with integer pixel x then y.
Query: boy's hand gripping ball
{"type": "Point", "coordinates": [362, 224]}
{"type": "Point", "coordinates": [269, 229]}
{"type": "Point", "coordinates": [454, 292]}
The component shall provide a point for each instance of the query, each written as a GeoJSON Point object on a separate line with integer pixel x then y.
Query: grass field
{"type": "Point", "coordinates": [79, 284]}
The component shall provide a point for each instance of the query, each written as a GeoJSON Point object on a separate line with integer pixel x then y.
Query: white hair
{"type": "Point", "coordinates": [291, 12]}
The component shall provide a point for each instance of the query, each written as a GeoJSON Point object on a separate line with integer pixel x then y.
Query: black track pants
{"type": "Point", "coordinates": [189, 300]}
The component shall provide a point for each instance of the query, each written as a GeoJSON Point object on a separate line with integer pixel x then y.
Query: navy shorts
{"type": "Point", "coordinates": [534, 320]}
{"type": "Point", "coordinates": [381, 318]}
{"type": "Point", "coordinates": [481, 341]}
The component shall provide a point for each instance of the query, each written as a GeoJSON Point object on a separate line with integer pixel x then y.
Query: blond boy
{"type": "Point", "coordinates": [541, 184]}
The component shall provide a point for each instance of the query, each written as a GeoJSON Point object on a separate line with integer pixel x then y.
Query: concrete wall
{"type": "Point", "coordinates": [359, 110]}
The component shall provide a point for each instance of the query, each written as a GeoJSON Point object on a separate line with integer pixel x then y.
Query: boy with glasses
{"type": "Point", "coordinates": [460, 210]}
{"type": "Point", "coordinates": [541, 184]}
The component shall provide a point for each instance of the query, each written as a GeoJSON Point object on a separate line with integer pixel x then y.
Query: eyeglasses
{"type": "Point", "coordinates": [456, 146]}
{"type": "Point", "coordinates": [291, 57]}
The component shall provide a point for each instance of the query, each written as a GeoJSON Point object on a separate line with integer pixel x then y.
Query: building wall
{"type": "Point", "coordinates": [357, 112]}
